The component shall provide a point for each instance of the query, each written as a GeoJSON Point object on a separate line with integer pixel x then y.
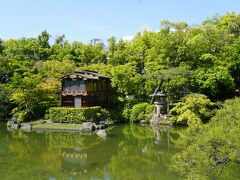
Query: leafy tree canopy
{"type": "Point", "coordinates": [209, 147]}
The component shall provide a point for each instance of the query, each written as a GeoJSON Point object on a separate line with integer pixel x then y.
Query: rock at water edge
{"type": "Point", "coordinates": [87, 126]}
{"type": "Point", "coordinates": [102, 133]}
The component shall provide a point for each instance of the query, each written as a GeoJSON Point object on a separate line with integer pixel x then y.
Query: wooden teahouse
{"type": "Point", "coordinates": [85, 89]}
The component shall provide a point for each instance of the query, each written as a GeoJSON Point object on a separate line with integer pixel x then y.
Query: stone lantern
{"type": "Point", "coordinates": [161, 109]}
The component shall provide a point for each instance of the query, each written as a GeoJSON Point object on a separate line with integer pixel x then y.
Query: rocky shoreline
{"type": "Point", "coordinates": [100, 128]}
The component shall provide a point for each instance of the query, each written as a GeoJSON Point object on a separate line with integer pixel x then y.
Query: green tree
{"type": "Point", "coordinates": [36, 90]}
{"type": "Point", "coordinates": [5, 104]}
{"type": "Point", "coordinates": [215, 82]}
{"type": "Point", "coordinates": [127, 80]}
{"type": "Point", "coordinates": [175, 80]}
{"type": "Point", "coordinates": [61, 49]}
{"type": "Point", "coordinates": [233, 62]}
{"type": "Point", "coordinates": [192, 109]}
{"type": "Point", "coordinates": [1, 46]}
{"type": "Point", "coordinates": [208, 148]}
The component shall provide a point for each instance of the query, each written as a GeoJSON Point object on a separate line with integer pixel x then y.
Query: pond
{"type": "Point", "coordinates": [130, 152]}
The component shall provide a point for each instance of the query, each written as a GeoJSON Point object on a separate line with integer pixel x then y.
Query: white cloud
{"type": "Point", "coordinates": [127, 38]}
{"type": "Point", "coordinates": [142, 29]}
{"type": "Point", "coordinates": [145, 27]}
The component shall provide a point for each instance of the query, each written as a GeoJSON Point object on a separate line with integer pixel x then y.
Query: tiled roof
{"type": "Point", "coordinates": [86, 74]}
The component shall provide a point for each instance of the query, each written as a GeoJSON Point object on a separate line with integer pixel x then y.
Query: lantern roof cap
{"type": "Point", "coordinates": [159, 94]}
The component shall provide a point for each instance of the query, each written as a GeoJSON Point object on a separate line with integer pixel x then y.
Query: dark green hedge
{"type": "Point", "coordinates": [76, 115]}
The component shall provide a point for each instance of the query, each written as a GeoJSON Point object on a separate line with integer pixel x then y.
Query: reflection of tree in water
{"type": "Point", "coordinates": [138, 132]}
{"type": "Point", "coordinates": [145, 154]}
{"type": "Point", "coordinates": [24, 152]}
{"type": "Point", "coordinates": [130, 153]}
{"type": "Point", "coordinates": [65, 140]}
{"type": "Point", "coordinates": [56, 155]}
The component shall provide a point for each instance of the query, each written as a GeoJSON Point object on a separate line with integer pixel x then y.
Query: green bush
{"type": "Point", "coordinates": [141, 111]}
{"type": "Point", "coordinates": [193, 109]}
{"type": "Point", "coordinates": [104, 115]}
{"type": "Point", "coordinates": [77, 115]}
{"type": "Point", "coordinates": [127, 107]}
{"type": "Point", "coordinates": [149, 112]}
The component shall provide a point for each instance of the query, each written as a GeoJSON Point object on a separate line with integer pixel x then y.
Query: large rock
{"type": "Point", "coordinates": [26, 127]}
{"type": "Point", "coordinates": [143, 122]}
{"type": "Point", "coordinates": [10, 123]}
{"type": "Point", "coordinates": [102, 133]}
{"type": "Point", "coordinates": [163, 120]}
{"type": "Point", "coordinates": [42, 121]}
{"type": "Point", "coordinates": [100, 125]}
{"type": "Point", "coordinates": [155, 120]}
{"type": "Point", "coordinates": [87, 126]}
{"type": "Point", "coordinates": [15, 126]}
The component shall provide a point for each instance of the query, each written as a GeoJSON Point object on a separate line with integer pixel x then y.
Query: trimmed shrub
{"type": "Point", "coordinates": [141, 111]}
{"type": "Point", "coordinates": [77, 115]}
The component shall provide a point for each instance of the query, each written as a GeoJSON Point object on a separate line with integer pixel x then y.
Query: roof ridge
{"type": "Point", "coordinates": [87, 73]}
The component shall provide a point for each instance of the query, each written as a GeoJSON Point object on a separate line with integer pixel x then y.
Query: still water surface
{"type": "Point", "coordinates": [131, 152]}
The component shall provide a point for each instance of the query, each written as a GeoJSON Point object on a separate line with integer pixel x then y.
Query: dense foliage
{"type": "Point", "coordinates": [141, 111]}
{"type": "Point", "coordinates": [192, 109]}
{"type": "Point", "coordinates": [76, 115]}
{"type": "Point", "coordinates": [209, 147]}
{"type": "Point", "coordinates": [200, 59]}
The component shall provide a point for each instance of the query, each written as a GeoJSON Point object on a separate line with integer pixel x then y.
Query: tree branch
{"type": "Point", "coordinates": [223, 161]}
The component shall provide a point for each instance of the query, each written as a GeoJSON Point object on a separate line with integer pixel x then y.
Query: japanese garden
{"type": "Point", "coordinates": [56, 86]}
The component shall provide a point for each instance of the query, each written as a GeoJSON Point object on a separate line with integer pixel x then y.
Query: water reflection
{"type": "Point", "coordinates": [74, 161]}
{"type": "Point", "coordinates": [132, 152]}
{"type": "Point", "coordinates": [147, 153]}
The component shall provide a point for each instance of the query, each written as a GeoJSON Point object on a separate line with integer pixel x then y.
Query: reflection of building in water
{"type": "Point", "coordinates": [77, 160]}
{"type": "Point", "coordinates": [73, 160]}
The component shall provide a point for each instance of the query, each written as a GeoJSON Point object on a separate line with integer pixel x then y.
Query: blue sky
{"type": "Point", "coordinates": [83, 20]}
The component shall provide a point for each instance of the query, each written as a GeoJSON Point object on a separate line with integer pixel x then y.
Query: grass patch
{"type": "Point", "coordinates": [57, 126]}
